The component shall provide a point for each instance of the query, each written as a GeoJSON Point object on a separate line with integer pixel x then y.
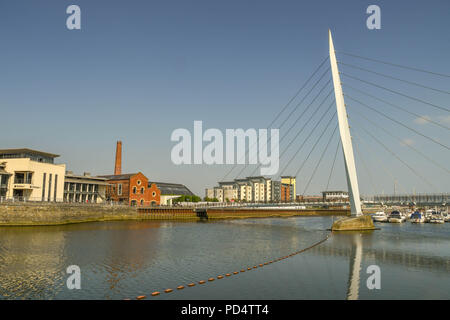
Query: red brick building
{"type": "Point", "coordinates": [132, 189]}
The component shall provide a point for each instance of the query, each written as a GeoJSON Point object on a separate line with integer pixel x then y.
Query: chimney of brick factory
{"type": "Point", "coordinates": [118, 166]}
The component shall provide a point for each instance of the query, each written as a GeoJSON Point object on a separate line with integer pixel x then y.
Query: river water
{"type": "Point", "coordinates": [125, 259]}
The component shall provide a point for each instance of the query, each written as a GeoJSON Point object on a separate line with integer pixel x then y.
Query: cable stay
{"type": "Point", "coordinates": [398, 158]}
{"type": "Point", "coordinates": [402, 142]}
{"type": "Point", "coordinates": [301, 130]}
{"type": "Point", "coordinates": [394, 64]}
{"type": "Point", "coordinates": [320, 137]}
{"type": "Point", "coordinates": [398, 122]}
{"type": "Point", "coordinates": [289, 116]}
{"type": "Point", "coordinates": [283, 109]}
{"type": "Point", "coordinates": [320, 160]}
{"type": "Point", "coordinates": [379, 161]}
{"type": "Point", "coordinates": [366, 168]}
{"type": "Point", "coordinates": [396, 92]}
{"type": "Point", "coordinates": [332, 166]}
{"type": "Point", "coordinates": [307, 138]}
{"type": "Point", "coordinates": [397, 107]}
{"type": "Point", "coordinates": [394, 78]}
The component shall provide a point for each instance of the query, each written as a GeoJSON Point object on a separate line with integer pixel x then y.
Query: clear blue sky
{"type": "Point", "coordinates": [137, 70]}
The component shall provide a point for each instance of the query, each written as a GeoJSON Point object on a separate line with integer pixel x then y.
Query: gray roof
{"type": "Point", "coordinates": [168, 188]}
{"type": "Point", "coordinates": [26, 150]}
{"type": "Point", "coordinates": [124, 176]}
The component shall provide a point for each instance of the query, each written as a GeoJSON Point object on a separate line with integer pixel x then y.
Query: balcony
{"type": "Point", "coordinates": [22, 180]}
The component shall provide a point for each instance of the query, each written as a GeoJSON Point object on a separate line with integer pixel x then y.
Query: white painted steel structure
{"type": "Point", "coordinates": [344, 130]}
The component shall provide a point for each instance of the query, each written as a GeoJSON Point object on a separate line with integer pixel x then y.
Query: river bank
{"type": "Point", "coordinates": [40, 214]}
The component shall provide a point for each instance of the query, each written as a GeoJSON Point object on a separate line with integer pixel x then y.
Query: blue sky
{"type": "Point", "coordinates": [137, 70]}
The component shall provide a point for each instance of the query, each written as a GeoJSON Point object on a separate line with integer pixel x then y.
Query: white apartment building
{"type": "Point", "coordinates": [30, 175]}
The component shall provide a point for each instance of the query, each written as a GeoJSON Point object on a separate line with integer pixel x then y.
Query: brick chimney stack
{"type": "Point", "coordinates": [118, 166]}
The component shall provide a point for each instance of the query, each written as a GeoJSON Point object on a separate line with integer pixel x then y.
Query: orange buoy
{"type": "Point", "coordinates": [255, 267]}
{"type": "Point", "coordinates": [243, 270]}
{"type": "Point", "coordinates": [235, 272]}
{"type": "Point", "coordinates": [249, 268]}
{"type": "Point", "coordinates": [191, 284]}
{"type": "Point", "coordinates": [201, 281]}
{"type": "Point", "coordinates": [168, 290]}
{"type": "Point", "coordinates": [219, 277]}
{"type": "Point", "coordinates": [127, 299]}
{"type": "Point", "coordinates": [156, 293]}
{"type": "Point", "coordinates": [180, 287]}
{"type": "Point", "coordinates": [140, 297]}
{"type": "Point", "coordinates": [228, 275]}
{"type": "Point", "coordinates": [211, 279]}
{"type": "Point", "coordinates": [260, 264]}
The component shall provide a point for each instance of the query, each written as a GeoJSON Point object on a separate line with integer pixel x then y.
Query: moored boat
{"type": "Point", "coordinates": [417, 217]}
{"type": "Point", "coordinates": [436, 217]}
{"type": "Point", "coordinates": [380, 216]}
{"type": "Point", "coordinates": [396, 217]}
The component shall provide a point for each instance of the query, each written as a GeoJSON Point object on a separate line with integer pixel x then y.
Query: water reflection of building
{"type": "Point", "coordinates": [33, 262]}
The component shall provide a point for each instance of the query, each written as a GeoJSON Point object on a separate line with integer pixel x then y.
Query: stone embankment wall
{"type": "Point", "coordinates": [22, 214]}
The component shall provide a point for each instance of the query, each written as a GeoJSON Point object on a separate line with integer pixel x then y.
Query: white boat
{"type": "Point", "coordinates": [417, 217]}
{"type": "Point", "coordinates": [436, 218]}
{"type": "Point", "coordinates": [380, 216]}
{"type": "Point", "coordinates": [396, 217]}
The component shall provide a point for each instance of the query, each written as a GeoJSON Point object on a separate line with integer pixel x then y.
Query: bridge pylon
{"type": "Point", "coordinates": [357, 221]}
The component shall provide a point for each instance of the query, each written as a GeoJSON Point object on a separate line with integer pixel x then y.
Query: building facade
{"type": "Point", "coordinates": [132, 189]}
{"type": "Point", "coordinates": [31, 175]}
{"type": "Point", "coordinates": [84, 188]}
{"type": "Point", "coordinates": [290, 180]}
{"type": "Point", "coordinates": [285, 192]}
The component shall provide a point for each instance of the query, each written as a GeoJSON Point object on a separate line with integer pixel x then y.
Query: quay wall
{"type": "Point", "coordinates": [32, 214]}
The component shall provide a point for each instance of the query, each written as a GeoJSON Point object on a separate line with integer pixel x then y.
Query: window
{"type": "Point", "coordinates": [119, 189]}
{"type": "Point", "coordinates": [153, 194]}
{"type": "Point", "coordinates": [142, 190]}
{"type": "Point", "coordinates": [134, 190]}
{"type": "Point", "coordinates": [139, 182]}
{"type": "Point", "coordinates": [142, 202]}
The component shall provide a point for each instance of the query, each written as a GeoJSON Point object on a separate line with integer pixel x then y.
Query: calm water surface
{"type": "Point", "coordinates": [124, 259]}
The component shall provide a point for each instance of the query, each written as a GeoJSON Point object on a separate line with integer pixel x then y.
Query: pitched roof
{"type": "Point", "coordinates": [168, 188]}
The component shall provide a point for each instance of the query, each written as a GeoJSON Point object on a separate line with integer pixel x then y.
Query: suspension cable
{"type": "Point", "coordinates": [355, 136]}
{"type": "Point", "coordinates": [366, 168]}
{"type": "Point", "coordinates": [332, 166]}
{"type": "Point", "coordinates": [394, 78]}
{"type": "Point", "coordinates": [320, 159]}
{"type": "Point", "coordinates": [328, 124]}
{"type": "Point", "coordinates": [398, 158]}
{"type": "Point", "coordinates": [398, 122]}
{"type": "Point", "coordinates": [397, 107]}
{"type": "Point", "coordinates": [396, 92]}
{"type": "Point", "coordinates": [296, 121]}
{"type": "Point", "coordinates": [394, 64]}
{"type": "Point", "coordinates": [401, 141]}
{"type": "Point", "coordinates": [307, 138]}
{"type": "Point", "coordinates": [284, 108]}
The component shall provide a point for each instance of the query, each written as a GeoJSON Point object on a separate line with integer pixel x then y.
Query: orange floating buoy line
{"type": "Point", "coordinates": [192, 284]}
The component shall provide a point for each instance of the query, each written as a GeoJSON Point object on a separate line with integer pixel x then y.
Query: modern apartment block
{"type": "Point", "coordinates": [84, 188]}
{"type": "Point", "coordinates": [290, 180]}
{"type": "Point", "coordinates": [30, 175]}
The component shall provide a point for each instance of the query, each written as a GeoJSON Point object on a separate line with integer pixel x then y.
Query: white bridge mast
{"type": "Point", "coordinates": [344, 130]}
